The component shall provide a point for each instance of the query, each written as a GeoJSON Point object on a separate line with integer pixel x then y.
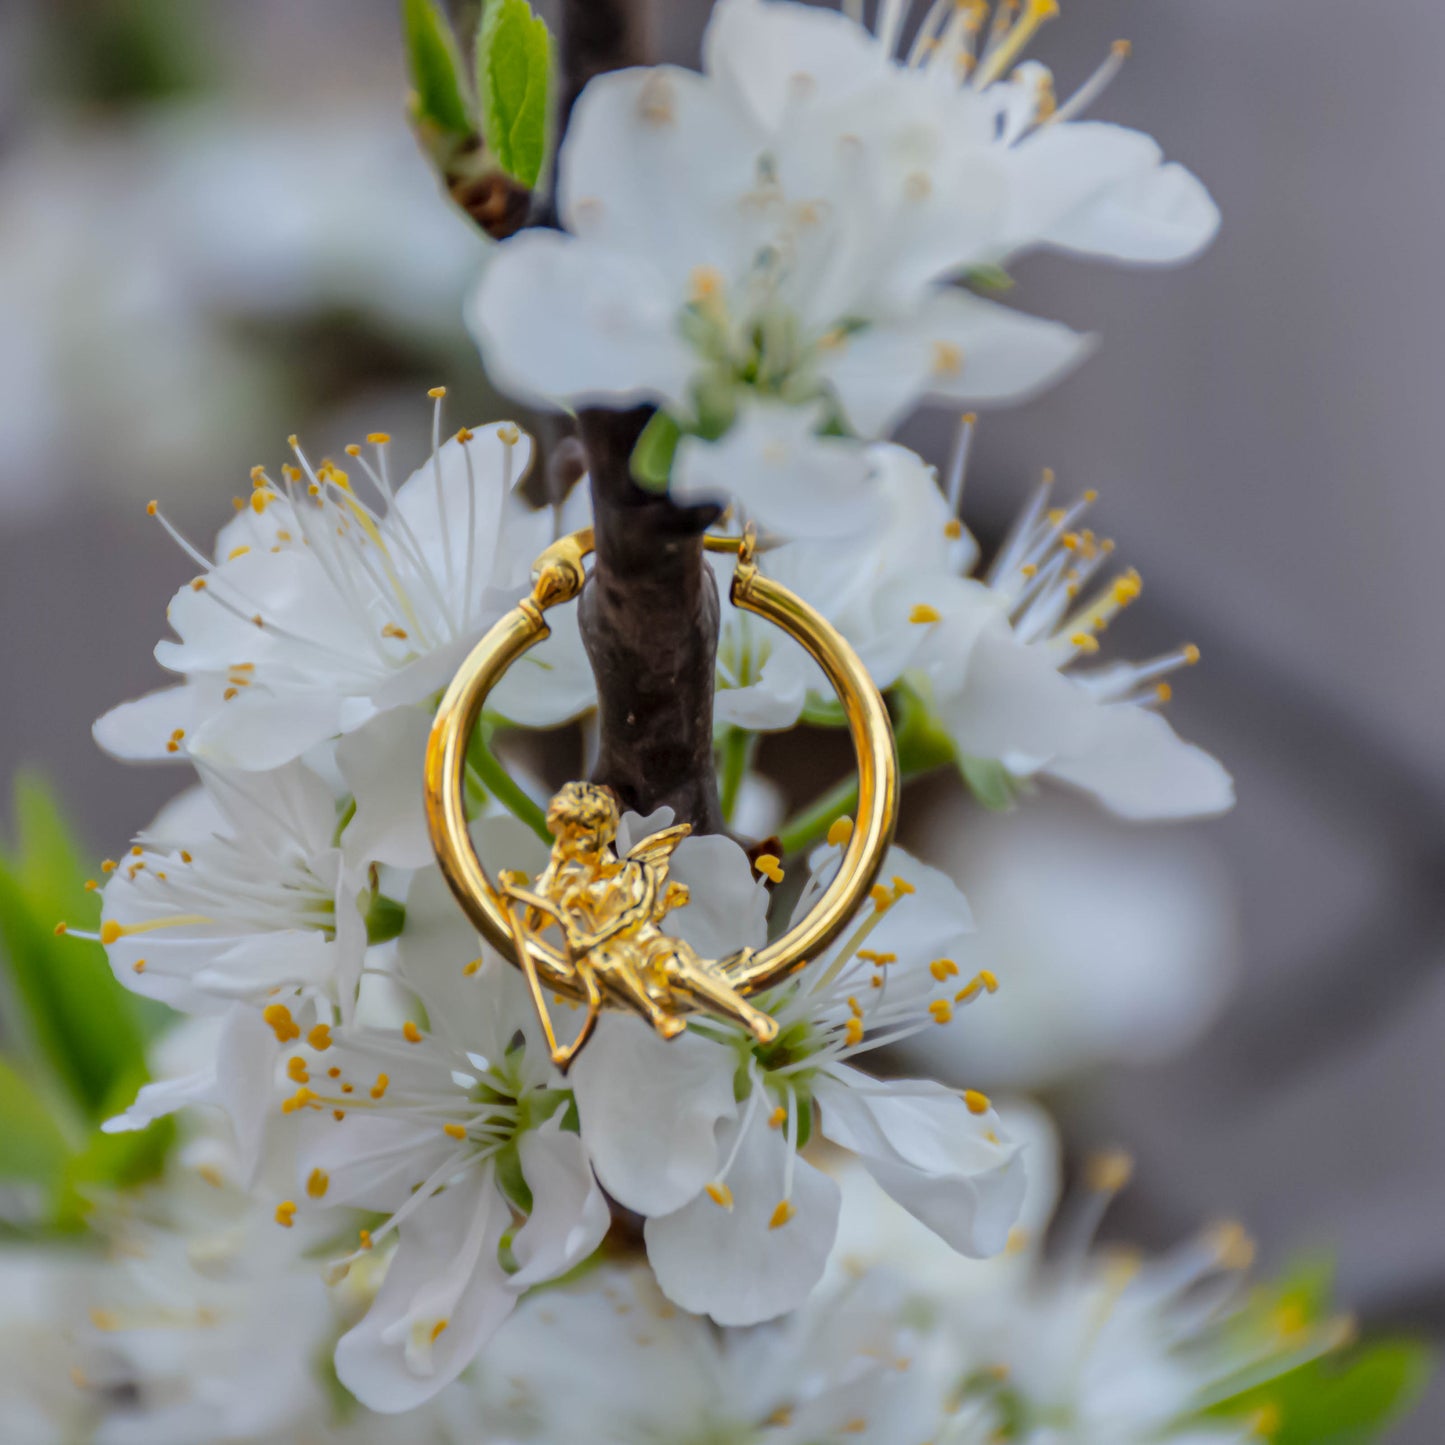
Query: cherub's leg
{"type": "Point", "coordinates": [622, 979]}
{"type": "Point", "coordinates": [563, 1057]}
{"type": "Point", "coordinates": [710, 986]}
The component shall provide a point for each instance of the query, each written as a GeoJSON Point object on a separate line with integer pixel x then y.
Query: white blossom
{"type": "Point", "coordinates": [323, 616]}
{"type": "Point", "coordinates": [786, 231]}
{"type": "Point", "coordinates": [457, 1129]}
{"type": "Point", "coordinates": [703, 1135]}
{"type": "Point", "coordinates": [1008, 670]}
{"type": "Point", "coordinates": [611, 1359]}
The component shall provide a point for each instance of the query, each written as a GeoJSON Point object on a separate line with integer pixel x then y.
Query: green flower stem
{"type": "Point", "coordinates": [738, 746]}
{"type": "Point", "coordinates": [805, 828]}
{"type": "Point", "coordinates": [485, 767]}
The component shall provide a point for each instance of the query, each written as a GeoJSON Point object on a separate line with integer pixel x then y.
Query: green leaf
{"type": "Point", "coordinates": [514, 85]}
{"type": "Point", "coordinates": [69, 1010]}
{"type": "Point", "coordinates": [1349, 1401]}
{"type": "Point", "coordinates": [990, 782]}
{"type": "Point", "coordinates": [435, 64]}
{"type": "Point", "coordinates": [653, 455]}
{"type": "Point", "coordinates": [33, 1145]}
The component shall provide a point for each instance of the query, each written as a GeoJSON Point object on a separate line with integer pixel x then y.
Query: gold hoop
{"type": "Point", "coordinates": [559, 576]}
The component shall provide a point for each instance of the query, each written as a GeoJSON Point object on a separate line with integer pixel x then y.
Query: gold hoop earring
{"type": "Point", "coordinates": [615, 955]}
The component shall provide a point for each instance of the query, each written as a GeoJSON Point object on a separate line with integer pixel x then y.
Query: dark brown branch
{"type": "Point", "coordinates": [650, 612]}
{"type": "Point", "coordinates": [649, 621]}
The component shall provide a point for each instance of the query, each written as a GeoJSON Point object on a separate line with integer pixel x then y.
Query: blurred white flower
{"type": "Point", "coordinates": [137, 257]}
{"type": "Point", "coordinates": [785, 232]}
{"type": "Point", "coordinates": [612, 1360]}
{"type": "Point", "coordinates": [1110, 946]}
{"type": "Point", "coordinates": [1001, 670]}
{"type": "Point", "coordinates": [207, 1326]}
{"type": "Point", "coordinates": [703, 1135]}
{"type": "Point", "coordinates": [42, 1293]}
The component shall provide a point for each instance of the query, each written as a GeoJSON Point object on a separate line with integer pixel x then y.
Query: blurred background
{"type": "Point", "coordinates": [215, 230]}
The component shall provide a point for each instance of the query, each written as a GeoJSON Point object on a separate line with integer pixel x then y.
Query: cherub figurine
{"type": "Point", "coordinates": [609, 911]}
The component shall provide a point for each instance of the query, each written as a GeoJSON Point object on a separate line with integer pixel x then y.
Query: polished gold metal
{"type": "Point", "coordinates": [608, 952]}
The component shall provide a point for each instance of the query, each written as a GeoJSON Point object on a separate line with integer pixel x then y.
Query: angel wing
{"type": "Point", "coordinates": [660, 846]}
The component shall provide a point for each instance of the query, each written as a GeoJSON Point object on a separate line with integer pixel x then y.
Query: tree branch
{"type": "Point", "coordinates": [649, 622]}
{"type": "Point", "coordinates": [650, 613]}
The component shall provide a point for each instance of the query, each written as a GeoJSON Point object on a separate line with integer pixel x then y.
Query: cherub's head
{"type": "Point", "coordinates": [583, 819]}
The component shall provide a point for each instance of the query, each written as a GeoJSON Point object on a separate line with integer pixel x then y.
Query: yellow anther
{"type": "Point", "coordinates": [770, 867]}
{"type": "Point", "coordinates": [1127, 588]}
{"type": "Point", "coordinates": [379, 1088]}
{"type": "Point", "coordinates": [317, 1183]}
{"type": "Point", "coordinates": [392, 630]}
{"type": "Point", "coordinates": [953, 529]}
{"type": "Point", "coordinates": [109, 865]}
{"type": "Point", "coordinates": [437, 392]}
{"type": "Point", "coordinates": [110, 932]}
{"type": "Point", "coordinates": [902, 887]}
{"type": "Point", "coordinates": [364, 1236]}
{"type": "Point", "coordinates": [410, 1032]}
{"type": "Point", "coordinates": [286, 1214]}
{"type": "Point", "coordinates": [840, 832]}
{"type": "Point", "coordinates": [942, 968]}
{"type": "Point", "coordinates": [378, 438]}
{"type": "Point", "coordinates": [296, 1070]}
{"type": "Point", "coordinates": [91, 885]}
{"type": "Point", "coordinates": [782, 1214]}
{"type": "Point", "coordinates": [1123, 48]}
{"type": "Point", "coordinates": [198, 585]}
{"type": "Point", "coordinates": [878, 960]}
{"type": "Point", "coordinates": [720, 1195]}
{"type": "Point", "coordinates": [473, 968]}
{"type": "Point", "coordinates": [778, 1118]}
{"type": "Point", "coordinates": [947, 359]}
{"type": "Point", "coordinates": [303, 1098]}
{"type": "Point", "coordinates": [941, 1010]}
{"type": "Point", "coordinates": [333, 1072]}
{"type": "Point", "coordinates": [1029, 569]}
{"type": "Point", "coordinates": [856, 1426]}
{"type": "Point", "coordinates": [1230, 1241]}
{"type": "Point", "coordinates": [1163, 692]}
{"type": "Point", "coordinates": [106, 1320]}
{"type": "Point", "coordinates": [853, 1034]}
{"type": "Point", "coordinates": [352, 450]}
{"type": "Point", "coordinates": [977, 1103]}
{"type": "Point", "coordinates": [922, 613]}
{"type": "Point", "coordinates": [320, 1038]}
{"type": "Point", "coordinates": [1109, 1172]}
{"type": "Point", "coordinates": [61, 929]}
{"type": "Point", "coordinates": [454, 1131]}
{"type": "Point", "coordinates": [278, 1016]}
{"type": "Point", "coordinates": [152, 508]}
{"type": "Point", "coordinates": [854, 1007]}
{"type": "Point", "coordinates": [437, 1329]}
{"type": "Point", "coordinates": [883, 900]}
{"type": "Point", "coordinates": [1086, 642]}
{"type": "Point", "coordinates": [988, 979]}
{"type": "Point", "coordinates": [1191, 655]}
{"type": "Point", "coordinates": [1018, 1240]}
{"type": "Point", "coordinates": [139, 966]}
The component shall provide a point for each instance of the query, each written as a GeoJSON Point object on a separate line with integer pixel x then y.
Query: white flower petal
{"type": "Point", "coordinates": [569, 1215]}
{"type": "Point", "coordinates": [957, 347]}
{"type": "Point", "coordinates": [649, 1110]}
{"type": "Point", "coordinates": [1139, 767]}
{"type": "Point", "coordinates": [551, 684]}
{"type": "Point", "coordinates": [730, 1263]}
{"type": "Point", "coordinates": [782, 474]}
{"type": "Point", "coordinates": [653, 165]}
{"type": "Point", "coordinates": [772, 57]}
{"type": "Point", "coordinates": [925, 1146]}
{"type": "Point", "coordinates": [445, 1269]}
{"type": "Point", "coordinates": [382, 764]}
{"type": "Point", "coordinates": [558, 320]}
{"type": "Point", "coordinates": [139, 731]}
